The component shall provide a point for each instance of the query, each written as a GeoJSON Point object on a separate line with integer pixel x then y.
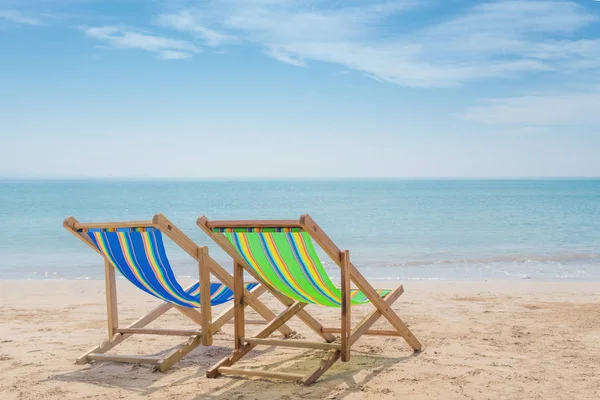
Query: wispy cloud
{"type": "Point", "coordinates": [494, 39]}
{"type": "Point", "coordinates": [536, 34]}
{"type": "Point", "coordinates": [19, 18]}
{"type": "Point", "coordinates": [283, 56]}
{"type": "Point", "coordinates": [577, 108]}
{"type": "Point", "coordinates": [187, 21]}
{"type": "Point", "coordinates": [123, 38]}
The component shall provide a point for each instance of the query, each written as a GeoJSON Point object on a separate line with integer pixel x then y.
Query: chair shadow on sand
{"type": "Point", "coordinates": [361, 369]}
{"type": "Point", "coordinates": [118, 375]}
{"type": "Point", "coordinates": [356, 373]}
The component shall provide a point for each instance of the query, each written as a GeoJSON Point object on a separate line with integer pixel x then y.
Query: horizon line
{"type": "Point", "coordinates": [280, 179]}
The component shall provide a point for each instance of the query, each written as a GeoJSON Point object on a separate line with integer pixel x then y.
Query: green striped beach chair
{"type": "Point", "coordinates": [280, 254]}
{"type": "Point", "coordinates": [137, 251]}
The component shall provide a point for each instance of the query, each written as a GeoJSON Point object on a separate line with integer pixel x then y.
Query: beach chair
{"type": "Point", "coordinates": [280, 254]}
{"type": "Point", "coordinates": [137, 251]}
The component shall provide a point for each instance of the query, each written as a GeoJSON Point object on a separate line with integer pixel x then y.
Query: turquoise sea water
{"type": "Point", "coordinates": [398, 229]}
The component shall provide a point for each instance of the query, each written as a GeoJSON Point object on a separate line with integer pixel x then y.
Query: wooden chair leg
{"type": "Point", "coordinates": [325, 364]}
{"type": "Point", "coordinates": [111, 298]}
{"type": "Point", "coordinates": [346, 307]}
{"type": "Point", "coordinates": [238, 304]}
{"type": "Point", "coordinates": [175, 356]}
{"type": "Point", "coordinates": [205, 307]}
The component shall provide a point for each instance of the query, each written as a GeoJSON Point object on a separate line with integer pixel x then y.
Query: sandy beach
{"type": "Point", "coordinates": [481, 340]}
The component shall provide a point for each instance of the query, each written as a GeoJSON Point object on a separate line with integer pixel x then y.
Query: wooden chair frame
{"type": "Point", "coordinates": [349, 335]}
{"type": "Point", "coordinates": [203, 318]}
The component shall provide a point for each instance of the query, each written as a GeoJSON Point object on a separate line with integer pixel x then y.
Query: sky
{"type": "Point", "coordinates": [299, 89]}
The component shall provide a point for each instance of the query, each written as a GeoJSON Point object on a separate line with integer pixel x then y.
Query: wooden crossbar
{"type": "Point", "coordinates": [263, 374]}
{"type": "Point", "coordinates": [368, 332]}
{"type": "Point", "coordinates": [113, 225]}
{"type": "Point", "coordinates": [293, 343]}
{"type": "Point", "coordinates": [125, 358]}
{"type": "Point", "coordinates": [167, 332]}
{"type": "Point", "coordinates": [249, 322]}
{"type": "Point", "coordinates": [254, 224]}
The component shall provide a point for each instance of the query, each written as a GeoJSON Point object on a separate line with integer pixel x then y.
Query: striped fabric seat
{"type": "Point", "coordinates": [139, 255]}
{"type": "Point", "coordinates": [287, 260]}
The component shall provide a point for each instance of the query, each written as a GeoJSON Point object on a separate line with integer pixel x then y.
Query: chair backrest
{"type": "Point", "coordinates": [286, 259]}
{"type": "Point", "coordinates": [139, 255]}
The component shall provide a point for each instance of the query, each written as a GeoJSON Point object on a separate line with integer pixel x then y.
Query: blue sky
{"type": "Point", "coordinates": [278, 89]}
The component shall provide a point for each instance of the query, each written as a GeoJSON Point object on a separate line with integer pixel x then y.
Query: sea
{"type": "Point", "coordinates": [546, 230]}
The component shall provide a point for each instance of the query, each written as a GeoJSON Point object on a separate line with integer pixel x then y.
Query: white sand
{"type": "Point", "coordinates": [481, 340]}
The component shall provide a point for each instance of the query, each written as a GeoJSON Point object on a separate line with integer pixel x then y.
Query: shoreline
{"type": "Point", "coordinates": [524, 286]}
{"type": "Point", "coordinates": [335, 281]}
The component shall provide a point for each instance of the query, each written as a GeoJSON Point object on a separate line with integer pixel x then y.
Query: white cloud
{"type": "Point", "coordinates": [186, 22]}
{"type": "Point", "coordinates": [513, 30]}
{"type": "Point", "coordinates": [580, 108]}
{"type": "Point", "coordinates": [500, 18]}
{"type": "Point", "coordinates": [166, 48]}
{"type": "Point", "coordinates": [280, 55]}
{"type": "Point", "coordinates": [19, 18]}
{"type": "Point", "coordinates": [495, 39]}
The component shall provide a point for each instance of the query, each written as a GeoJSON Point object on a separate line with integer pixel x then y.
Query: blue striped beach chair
{"type": "Point", "coordinates": [280, 254]}
{"type": "Point", "coordinates": [137, 251]}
